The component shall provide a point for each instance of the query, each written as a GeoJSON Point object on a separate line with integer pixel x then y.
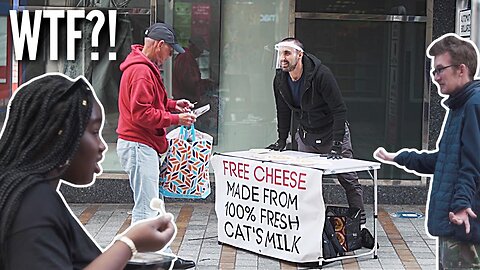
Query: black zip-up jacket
{"type": "Point", "coordinates": [322, 109]}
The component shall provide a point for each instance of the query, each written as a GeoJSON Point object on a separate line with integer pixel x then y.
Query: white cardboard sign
{"type": "Point", "coordinates": [269, 208]}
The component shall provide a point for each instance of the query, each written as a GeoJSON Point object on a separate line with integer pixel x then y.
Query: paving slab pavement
{"type": "Point", "coordinates": [403, 242]}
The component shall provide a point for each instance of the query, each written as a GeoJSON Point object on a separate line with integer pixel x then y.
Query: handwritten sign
{"type": "Point", "coordinates": [268, 208]}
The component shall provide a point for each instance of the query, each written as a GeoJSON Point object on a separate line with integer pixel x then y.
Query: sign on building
{"type": "Point", "coordinates": [464, 23]}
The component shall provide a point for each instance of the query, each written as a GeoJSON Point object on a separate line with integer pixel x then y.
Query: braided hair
{"type": "Point", "coordinates": [46, 118]}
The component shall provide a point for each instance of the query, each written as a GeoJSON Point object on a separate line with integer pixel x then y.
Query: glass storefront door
{"type": "Point", "coordinates": [250, 29]}
{"type": "Point", "coordinates": [378, 62]}
{"type": "Point", "coordinates": [195, 73]}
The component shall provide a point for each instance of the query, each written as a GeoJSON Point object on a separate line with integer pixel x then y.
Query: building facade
{"type": "Point", "coordinates": [375, 49]}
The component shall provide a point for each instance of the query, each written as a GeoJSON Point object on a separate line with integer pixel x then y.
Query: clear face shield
{"type": "Point", "coordinates": [285, 48]}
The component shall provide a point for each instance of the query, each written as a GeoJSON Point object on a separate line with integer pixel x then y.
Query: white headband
{"type": "Point", "coordinates": [288, 43]}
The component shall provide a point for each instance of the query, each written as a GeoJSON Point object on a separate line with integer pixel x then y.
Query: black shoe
{"type": "Point", "coordinates": [367, 239]}
{"type": "Point", "coordinates": [183, 264]}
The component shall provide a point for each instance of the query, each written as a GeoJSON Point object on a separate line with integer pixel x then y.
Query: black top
{"type": "Point", "coordinates": [295, 87]}
{"type": "Point", "coordinates": [44, 234]}
{"type": "Point", "coordinates": [322, 109]}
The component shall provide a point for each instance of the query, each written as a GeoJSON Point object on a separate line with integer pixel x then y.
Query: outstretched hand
{"type": "Point", "coordinates": [382, 155]}
{"type": "Point", "coordinates": [153, 234]}
{"type": "Point", "coordinates": [462, 217]}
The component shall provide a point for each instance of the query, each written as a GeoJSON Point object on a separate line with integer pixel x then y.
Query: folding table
{"type": "Point", "coordinates": [271, 203]}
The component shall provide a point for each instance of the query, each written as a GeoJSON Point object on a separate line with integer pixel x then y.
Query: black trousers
{"type": "Point", "coordinates": [349, 181]}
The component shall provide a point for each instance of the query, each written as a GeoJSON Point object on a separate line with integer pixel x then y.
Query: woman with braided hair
{"type": "Point", "coordinates": [53, 133]}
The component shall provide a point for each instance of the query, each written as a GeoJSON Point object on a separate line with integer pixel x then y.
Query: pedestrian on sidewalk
{"type": "Point", "coordinates": [454, 197]}
{"type": "Point", "coordinates": [52, 133]}
{"type": "Point", "coordinates": [145, 112]}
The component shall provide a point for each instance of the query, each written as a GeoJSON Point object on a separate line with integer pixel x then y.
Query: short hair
{"type": "Point", "coordinates": [295, 41]}
{"type": "Point", "coordinates": [47, 117]}
{"type": "Point", "coordinates": [461, 52]}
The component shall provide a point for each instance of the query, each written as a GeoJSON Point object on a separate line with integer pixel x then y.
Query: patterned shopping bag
{"type": "Point", "coordinates": [185, 171]}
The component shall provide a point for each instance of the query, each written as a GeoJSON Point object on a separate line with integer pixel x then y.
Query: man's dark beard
{"type": "Point", "coordinates": [289, 67]}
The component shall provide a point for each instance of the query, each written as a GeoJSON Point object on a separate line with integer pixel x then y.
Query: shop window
{"type": "Point", "coordinates": [133, 17]}
{"type": "Point", "coordinates": [195, 73]}
{"type": "Point", "coordinates": [247, 117]}
{"type": "Point", "coordinates": [391, 7]}
{"type": "Point", "coordinates": [379, 67]}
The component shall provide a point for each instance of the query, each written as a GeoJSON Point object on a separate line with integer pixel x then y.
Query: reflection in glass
{"type": "Point", "coordinates": [195, 72]}
{"type": "Point", "coordinates": [247, 112]}
{"type": "Point", "coordinates": [379, 67]}
{"type": "Point", "coordinates": [133, 17]}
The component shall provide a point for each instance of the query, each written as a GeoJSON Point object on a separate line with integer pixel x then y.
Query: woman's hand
{"type": "Point", "coordinates": [148, 235]}
{"type": "Point", "coordinates": [152, 234]}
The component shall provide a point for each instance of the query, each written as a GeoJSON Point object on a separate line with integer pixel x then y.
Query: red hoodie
{"type": "Point", "coordinates": [142, 102]}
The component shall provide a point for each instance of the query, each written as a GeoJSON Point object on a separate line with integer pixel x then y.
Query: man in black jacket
{"type": "Point", "coordinates": [306, 87]}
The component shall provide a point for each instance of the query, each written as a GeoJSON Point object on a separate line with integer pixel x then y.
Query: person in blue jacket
{"type": "Point", "coordinates": [454, 198]}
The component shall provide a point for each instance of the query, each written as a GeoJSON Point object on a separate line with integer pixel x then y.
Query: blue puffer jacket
{"type": "Point", "coordinates": [455, 166]}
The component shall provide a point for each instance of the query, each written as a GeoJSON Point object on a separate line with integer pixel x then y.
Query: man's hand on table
{"type": "Point", "coordinates": [279, 145]}
{"type": "Point", "coordinates": [336, 151]}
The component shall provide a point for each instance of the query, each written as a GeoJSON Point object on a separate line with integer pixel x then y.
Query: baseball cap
{"type": "Point", "coordinates": [163, 31]}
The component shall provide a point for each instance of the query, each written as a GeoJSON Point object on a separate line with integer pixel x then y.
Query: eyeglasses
{"type": "Point", "coordinates": [437, 71]}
